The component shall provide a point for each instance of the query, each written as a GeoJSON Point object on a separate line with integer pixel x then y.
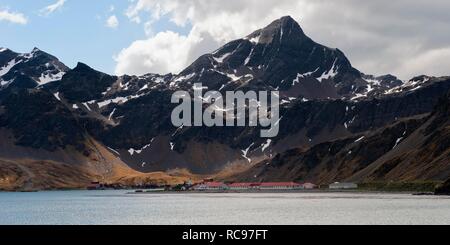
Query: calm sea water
{"type": "Point", "coordinates": [117, 207]}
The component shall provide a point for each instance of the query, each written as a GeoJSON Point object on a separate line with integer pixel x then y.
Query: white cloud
{"type": "Point", "coordinates": [435, 62]}
{"type": "Point", "coordinates": [112, 22]}
{"type": "Point", "coordinates": [13, 17]}
{"type": "Point", "coordinates": [165, 52]}
{"type": "Point", "coordinates": [52, 8]}
{"type": "Point", "coordinates": [378, 37]}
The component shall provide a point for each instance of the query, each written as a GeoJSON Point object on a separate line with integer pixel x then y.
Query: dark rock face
{"type": "Point", "coordinates": [84, 84]}
{"type": "Point", "coordinates": [39, 120]}
{"type": "Point", "coordinates": [6, 56]}
{"type": "Point", "coordinates": [413, 149]}
{"type": "Point", "coordinates": [327, 105]}
{"type": "Point", "coordinates": [140, 120]}
{"type": "Point", "coordinates": [20, 82]}
{"type": "Point", "coordinates": [331, 161]}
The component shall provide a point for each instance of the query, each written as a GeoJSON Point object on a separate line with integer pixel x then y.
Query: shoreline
{"type": "Point", "coordinates": [149, 191]}
{"type": "Point", "coordinates": [132, 192]}
{"type": "Point", "coordinates": [413, 188]}
{"type": "Point", "coordinates": [315, 191]}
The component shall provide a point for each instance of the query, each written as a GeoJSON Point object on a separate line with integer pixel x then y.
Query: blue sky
{"type": "Point", "coordinates": [75, 32]}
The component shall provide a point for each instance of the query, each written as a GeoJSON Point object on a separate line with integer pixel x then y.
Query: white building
{"type": "Point", "coordinates": [309, 186]}
{"type": "Point", "coordinates": [210, 186]}
{"type": "Point", "coordinates": [280, 186]}
{"type": "Point", "coordinates": [342, 186]}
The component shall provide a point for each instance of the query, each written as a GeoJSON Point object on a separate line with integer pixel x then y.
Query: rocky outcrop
{"type": "Point", "coordinates": [84, 84]}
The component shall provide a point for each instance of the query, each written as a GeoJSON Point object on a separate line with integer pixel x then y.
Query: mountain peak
{"type": "Point", "coordinates": [82, 66]}
{"type": "Point", "coordinates": [283, 56]}
{"type": "Point", "coordinates": [285, 22]}
{"type": "Point", "coordinates": [278, 29]}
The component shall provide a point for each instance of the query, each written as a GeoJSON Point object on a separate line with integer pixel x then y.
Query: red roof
{"type": "Point", "coordinates": [270, 184]}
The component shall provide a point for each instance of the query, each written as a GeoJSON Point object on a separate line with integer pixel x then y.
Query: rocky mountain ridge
{"type": "Point", "coordinates": [324, 100]}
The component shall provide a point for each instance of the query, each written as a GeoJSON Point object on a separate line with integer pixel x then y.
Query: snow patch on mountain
{"type": "Point", "coordinates": [106, 92]}
{"type": "Point", "coordinates": [330, 73]}
{"type": "Point", "coordinates": [181, 78]}
{"type": "Point", "coordinates": [246, 151]}
{"type": "Point", "coordinates": [117, 100]}
{"type": "Point", "coordinates": [372, 84]}
{"type": "Point", "coordinates": [111, 114]}
{"type": "Point", "coordinates": [398, 142]}
{"type": "Point", "coordinates": [411, 85]}
{"type": "Point", "coordinates": [4, 70]}
{"type": "Point", "coordinates": [139, 151]}
{"type": "Point", "coordinates": [5, 83]}
{"type": "Point", "coordinates": [48, 77]}
{"type": "Point", "coordinates": [304, 75]}
{"type": "Point", "coordinates": [144, 87]}
{"type": "Point", "coordinates": [247, 60]}
{"type": "Point", "coordinates": [358, 140]}
{"type": "Point", "coordinates": [57, 96]}
{"type": "Point", "coordinates": [266, 145]}
{"type": "Point", "coordinates": [222, 58]}
{"type": "Point", "coordinates": [87, 106]}
{"type": "Point", "coordinates": [254, 39]}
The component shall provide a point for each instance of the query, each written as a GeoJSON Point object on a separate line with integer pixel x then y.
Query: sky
{"type": "Point", "coordinates": [403, 37]}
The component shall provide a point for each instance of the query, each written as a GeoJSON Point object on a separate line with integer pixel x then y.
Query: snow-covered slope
{"type": "Point", "coordinates": [36, 66]}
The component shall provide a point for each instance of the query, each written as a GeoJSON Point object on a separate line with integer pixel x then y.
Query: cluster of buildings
{"type": "Point", "coordinates": [217, 186]}
{"type": "Point", "coordinates": [211, 185]}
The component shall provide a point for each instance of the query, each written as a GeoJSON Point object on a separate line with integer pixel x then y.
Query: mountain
{"type": "Point", "coordinates": [327, 106]}
{"type": "Point", "coordinates": [409, 150]}
{"type": "Point", "coordinates": [29, 70]}
{"type": "Point", "coordinates": [281, 57]}
{"type": "Point", "coordinates": [277, 57]}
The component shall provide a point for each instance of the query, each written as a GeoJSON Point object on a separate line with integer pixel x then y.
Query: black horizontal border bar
{"type": "Point", "coordinates": [223, 234]}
